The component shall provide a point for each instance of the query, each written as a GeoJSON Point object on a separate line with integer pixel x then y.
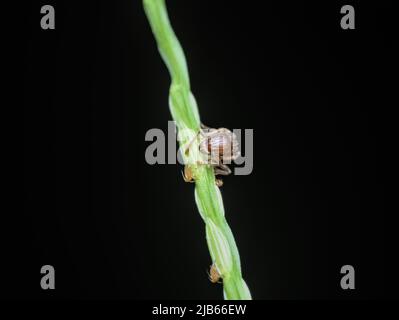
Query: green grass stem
{"type": "Point", "coordinates": [184, 110]}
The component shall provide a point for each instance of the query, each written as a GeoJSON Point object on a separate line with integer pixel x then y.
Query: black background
{"type": "Point", "coordinates": [113, 226]}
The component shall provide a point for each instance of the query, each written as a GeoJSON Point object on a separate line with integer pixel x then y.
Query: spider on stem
{"type": "Point", "coordinates": [220, 146]}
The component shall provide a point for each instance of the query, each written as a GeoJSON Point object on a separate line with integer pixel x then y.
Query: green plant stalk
{"type": "Point", "coordinates": [184, 110]}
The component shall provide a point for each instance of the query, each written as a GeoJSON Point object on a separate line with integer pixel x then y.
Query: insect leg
{"type": "Point", "coordinates": [222, 169]}
{"type": "Point", "coordinates": [204, 126]}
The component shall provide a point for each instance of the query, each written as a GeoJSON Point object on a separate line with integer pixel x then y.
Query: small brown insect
{"type": "Point", "coordinates": [213, 274]}
{"type": "Point", "coordinates": [221, 147]}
